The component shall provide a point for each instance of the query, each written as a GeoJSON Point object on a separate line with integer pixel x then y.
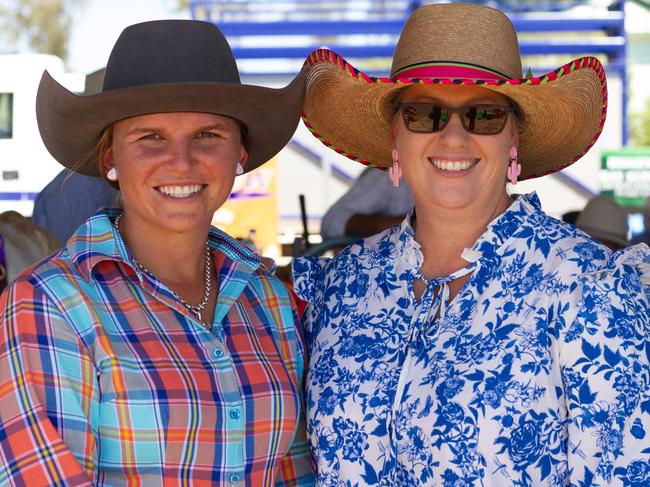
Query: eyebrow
{"type": "Point", "coordinates": [143, 130]}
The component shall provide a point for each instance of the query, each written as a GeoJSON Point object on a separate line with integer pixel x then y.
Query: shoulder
{"type": "Point", "coordinates": [270, 285]}
{"type": "Point", "coordinates": [626, 271]}
{"type": "Point", "coordinates": [314, 275]}
{"type": "Point", "coordinates": [614, 299]}
{"type": "Point", "coordinates": [41, 289]}
{"type": "Point", "coordinates": [48, 273]}
{"type": "Point", "coordinates": [556, 246]}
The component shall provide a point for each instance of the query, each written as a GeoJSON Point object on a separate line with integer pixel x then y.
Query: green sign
{"type": "Point", "coordinates": [625, 175]}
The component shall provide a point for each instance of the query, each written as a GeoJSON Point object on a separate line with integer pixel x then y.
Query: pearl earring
{"type": "Point", "coordinates": [239, 170]}
{"type": "Point", "coordinates": [395, 172]}
{"type": "Point", "coordinates": [111, 175]}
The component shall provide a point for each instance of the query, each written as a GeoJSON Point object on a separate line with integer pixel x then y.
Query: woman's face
{"type": "Point", "coordinates": [453, 168]}
{"type": "Point", "coordinates": [175, 169]}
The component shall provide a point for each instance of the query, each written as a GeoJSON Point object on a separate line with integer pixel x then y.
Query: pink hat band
{"type": "Point", "coordinates": [447, 70]}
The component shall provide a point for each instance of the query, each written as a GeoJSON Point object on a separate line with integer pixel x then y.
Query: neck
{"type": "Point", "coordinates": [177, 259]}
{"type": "Point", "coordinates": [444, 233]}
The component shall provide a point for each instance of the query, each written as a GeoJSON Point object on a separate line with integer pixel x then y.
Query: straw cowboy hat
{"type": "Point", "coordinates": [605, 221]}
{"type": "Point", "coordinates": [167, 66]}
{"type": "Point", "coordinates": [564, 110]}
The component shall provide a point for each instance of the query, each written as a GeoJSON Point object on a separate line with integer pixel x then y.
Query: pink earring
{"type": "Point", "coordinates": [514, 168]}
{"type": "Point", "coordinates": [111, 174]}
{"type": "Point", "coordinates": [239, 170]}
{"type": "Point", "coordinates": [395, 172]}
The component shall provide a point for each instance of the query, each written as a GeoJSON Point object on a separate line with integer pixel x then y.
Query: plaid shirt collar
{"type": "Point", "coordinates": [96, 240]}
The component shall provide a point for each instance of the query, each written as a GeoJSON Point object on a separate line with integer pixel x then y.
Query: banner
{"type": "Point", "coordinates": [251, 213]}
{"type": "Point", "coordinates": [625, 175]}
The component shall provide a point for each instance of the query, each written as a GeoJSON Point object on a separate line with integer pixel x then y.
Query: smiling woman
{"type": "Point", "coordinates": [480, 341]}
{"type": "Point", "coordinates": [175, 169]}
{"type": "Point", "coordinates": [155, 349]}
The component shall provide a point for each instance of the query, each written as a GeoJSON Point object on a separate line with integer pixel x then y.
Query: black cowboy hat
{"type": "Point", "coordinates": [166, 66]}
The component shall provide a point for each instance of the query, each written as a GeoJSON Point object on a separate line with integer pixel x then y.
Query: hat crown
{"type": "Point", "coordinates": [459, 34]}
{"type": "Point", "coordinates": [602, 217]}
{"type": "Point", "coordinates": [156, 52]}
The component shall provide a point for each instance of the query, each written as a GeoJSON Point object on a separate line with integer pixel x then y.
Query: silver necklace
{"type": "Point", "coordinates": [195, 309]}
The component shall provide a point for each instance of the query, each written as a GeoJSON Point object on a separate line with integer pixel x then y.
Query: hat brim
{"type": "Point", "coordinates": [71, 124]}
{"type": "Point", "coordinates": [352, 112]}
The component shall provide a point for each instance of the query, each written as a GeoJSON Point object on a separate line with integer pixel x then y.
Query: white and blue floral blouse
{"type": "Point", "coordinates": [536, 373]}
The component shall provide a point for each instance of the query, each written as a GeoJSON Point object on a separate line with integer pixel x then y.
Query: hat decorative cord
{"type": "Point", "coordinates": [514, 168]}
{"type": "Point", "coordinates": [395, 172]}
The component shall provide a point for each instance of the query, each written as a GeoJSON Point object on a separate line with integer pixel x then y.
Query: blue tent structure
{"type": "Point", "coordinates": [281, 33]}
{"type": "Point", "coordinates": [365, 31]}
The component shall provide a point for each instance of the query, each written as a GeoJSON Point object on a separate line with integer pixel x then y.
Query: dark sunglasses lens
{"type": "Point", "coordinates": [484, 120]}
{"type": "Point", "coordinates": [425, 118]}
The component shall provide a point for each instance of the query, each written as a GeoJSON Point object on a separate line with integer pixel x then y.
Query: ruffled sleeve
{"type": "Point", "coordinates": [606, 372]}
{"type": "Point", "coordinates": [308, 277]}
{"type": "Point", "coordinates": [309, 285]}
{"type": "Point", "coordinates": [638, 257]}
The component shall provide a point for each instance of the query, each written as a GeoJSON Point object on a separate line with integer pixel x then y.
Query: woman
{"type": "Point", "coordinates": [480, 342]}
{"type": "Point", "coordinates": [154, 349]}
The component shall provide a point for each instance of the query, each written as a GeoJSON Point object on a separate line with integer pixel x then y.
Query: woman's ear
{"type": "Point", "coordinates": [108, 167]}
{"type": "Point", "coordinates": [107, 161]}
{"type": "Point", "coordinates": [243, 156]}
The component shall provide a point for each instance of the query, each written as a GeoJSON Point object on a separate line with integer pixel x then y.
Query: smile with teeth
{"type": "Point", "coordinates": [180, 191]}
{"type": "Point", "coordinates": [453, 165]}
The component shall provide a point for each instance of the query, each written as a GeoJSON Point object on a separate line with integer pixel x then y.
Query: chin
{"type": "Point", "coordinates": [453, 199]}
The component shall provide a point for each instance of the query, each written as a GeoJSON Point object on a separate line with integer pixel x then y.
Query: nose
{"type": "Point", "coordinates": [182, 155]}
{"type": "Point", "coordinates": [454, 134]}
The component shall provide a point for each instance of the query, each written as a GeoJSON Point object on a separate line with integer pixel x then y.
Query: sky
{"type": "Point", "coordinates": [98, 23]}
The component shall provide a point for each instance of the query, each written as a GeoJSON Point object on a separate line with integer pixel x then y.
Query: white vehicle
{"type": "Point", "coordinates": [25, 164]}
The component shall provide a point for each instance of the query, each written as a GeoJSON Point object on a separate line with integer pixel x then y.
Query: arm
{"type": "Point", "coordinates": [47, 387]}
{"type": "Point", "coordinates": [296, 468]}
{"type": "Point", "coordinates": [607, 381]}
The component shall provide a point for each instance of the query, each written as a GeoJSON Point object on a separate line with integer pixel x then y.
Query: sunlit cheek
{"type": "Point", "coordinates": [143, 153]}
{"type": "Point", "coordinates": [221, 153]}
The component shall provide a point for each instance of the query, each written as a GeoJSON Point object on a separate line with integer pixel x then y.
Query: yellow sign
{"type": "Point", "coordinates": [251, 211]}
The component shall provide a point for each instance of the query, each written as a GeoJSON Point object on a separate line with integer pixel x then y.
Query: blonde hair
{"type": "Point", "coordinates": [102, 144]}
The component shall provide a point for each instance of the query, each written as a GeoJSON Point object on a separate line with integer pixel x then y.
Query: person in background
{"type": "Point", "coordinates": [68, 200]}
{"type": "Point", "coordinates": [22, 243]}
{"type": "Point", "coordinates": [371, 205]}
{"type": "Point", "coordinates": [605, 221]}
{"type": "Point", "coordinates": [480, 342]}
{"type": "Point", "coordinates": [154, 349]}
{"type": "Point", "coordinates": [571, 216]}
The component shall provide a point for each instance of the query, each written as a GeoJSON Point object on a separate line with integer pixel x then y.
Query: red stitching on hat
{"type": "Point", "coordinates": [591, 62]}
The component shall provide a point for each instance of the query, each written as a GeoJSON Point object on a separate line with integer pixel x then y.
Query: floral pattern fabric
{"type": "Point", "coordinates": [536, 373]}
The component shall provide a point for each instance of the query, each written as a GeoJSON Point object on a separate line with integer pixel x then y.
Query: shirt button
{"type": "Point", "coordinates": [217, 352]}
{"type": "Point", "coordinates": [234, 478]}
{"type": "Point", "coordinates": [235, 414]}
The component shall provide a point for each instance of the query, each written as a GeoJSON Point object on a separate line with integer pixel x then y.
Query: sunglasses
{"type": "Point", "coordinates": [425, 118]}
